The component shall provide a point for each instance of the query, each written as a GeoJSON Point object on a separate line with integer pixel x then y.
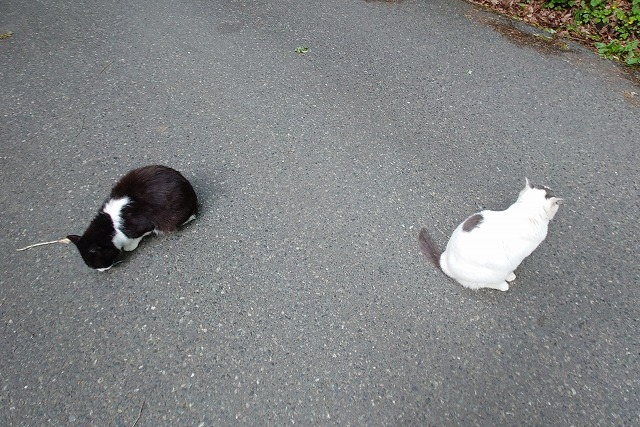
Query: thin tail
{"type": "Point", "coordinates": [429, 248]}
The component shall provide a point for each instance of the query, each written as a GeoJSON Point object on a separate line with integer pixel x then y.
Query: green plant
{"type": "Point", "coordinates": [560, 4]}
{"type": "Point", "coordinates": [627, 52]}
{"type": "Point", "coordinates": [614, 24]}
{"type": "Point", "coordinates": [625, 22]}
{"type": "Point", "coordinates": [302, 49]}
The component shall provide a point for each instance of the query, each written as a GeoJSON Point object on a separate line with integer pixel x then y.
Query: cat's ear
{"type": "Point", "coordinates": [556, 200]}
{"type": "Point", "coordinates": [552, 206]}
{"type": "Point", "coordinates": [74, 238]}
{"type": "Point", "coordinates": [527, 184]}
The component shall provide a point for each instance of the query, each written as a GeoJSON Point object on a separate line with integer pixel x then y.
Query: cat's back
{"type": "Point", "coordinates": [150, 179]}
{"type": "Point", "coordinates": [479, 223]}
{"type": "Point", "coordinates": [487, 231]}
{"type": "Point", "coordinates": [481, 233]}
{"type": "Point", "coordinates": [156, 195]}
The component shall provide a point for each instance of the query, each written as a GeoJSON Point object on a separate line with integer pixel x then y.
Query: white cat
{"type": "Point", "coordinates": [487, 247]}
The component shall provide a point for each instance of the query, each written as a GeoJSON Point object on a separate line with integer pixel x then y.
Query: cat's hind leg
{"type": "Point", "coordinates": [511, 277]}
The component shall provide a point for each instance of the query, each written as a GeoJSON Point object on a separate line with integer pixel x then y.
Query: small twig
{"type": "Point", "coordinates": [139, 413]}
{"type": "Point", "coordinates": [65, 241]}
{"type": "Point", "coordinates": [105, 67]}
{"type": "Point", "coordinates": [81, 128]}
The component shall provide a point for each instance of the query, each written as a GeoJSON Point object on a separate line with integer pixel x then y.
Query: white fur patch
{"type": "Point", "coordinates": [113, 208]}
{"type": "Point", "coordinates": [131, 244]}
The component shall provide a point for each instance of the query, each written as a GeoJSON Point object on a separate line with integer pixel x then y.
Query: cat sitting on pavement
{"type": "Point", "coordinates": [487, 247]}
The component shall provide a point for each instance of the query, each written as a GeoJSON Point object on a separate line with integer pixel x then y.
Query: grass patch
{"type": "Point", "coordinates": [611, 27]}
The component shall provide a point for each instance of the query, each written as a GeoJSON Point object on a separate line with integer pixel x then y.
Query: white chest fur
{"type": "Point", "coordinates": [114, 208]}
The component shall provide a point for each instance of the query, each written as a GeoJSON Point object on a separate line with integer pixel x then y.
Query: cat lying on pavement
{"type": "Point", "coordinates": [150, 199]}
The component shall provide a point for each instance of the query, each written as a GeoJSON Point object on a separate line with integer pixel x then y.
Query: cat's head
{"type": "Point", "coordinates": [100, 255]}
{"type": "Point", "coordinates": [95, 245]}
{"type": "Point", "coordinates": [542, 196]}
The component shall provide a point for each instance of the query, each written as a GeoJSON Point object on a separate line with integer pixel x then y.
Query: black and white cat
{"type": "Point", "coordinates": [487, 247]}
{"type": "Point", "coordinates": [149, 199]}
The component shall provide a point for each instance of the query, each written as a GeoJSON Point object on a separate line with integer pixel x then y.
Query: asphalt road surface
{"type": "Point", "coordinates": [299, 296]}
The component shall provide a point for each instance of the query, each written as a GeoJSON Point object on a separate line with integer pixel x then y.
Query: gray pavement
{"type": "Point", "coordinates": [299, 296]}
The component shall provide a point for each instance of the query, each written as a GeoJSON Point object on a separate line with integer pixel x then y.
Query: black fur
{"type": "Point", "coordinates": [161, 199]}
{"type": "Point", "coordinates": [548, 192]}
{"type": "Point", "coordinates": [95, 244]}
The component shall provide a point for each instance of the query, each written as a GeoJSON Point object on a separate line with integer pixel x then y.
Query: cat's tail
{"type": "Point", "coordinates": [429, 248]}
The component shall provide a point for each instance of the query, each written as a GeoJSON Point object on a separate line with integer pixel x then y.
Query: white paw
{"type": "Point", "coordinates": [131, 244]}
{"type": "Point", "coordinates": [511, 277]}
{"type": "Point", "coordinates": [504, 286]}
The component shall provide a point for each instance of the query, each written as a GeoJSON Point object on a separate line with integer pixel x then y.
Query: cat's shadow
{"type": "Point", "coordinates": [208, 188]}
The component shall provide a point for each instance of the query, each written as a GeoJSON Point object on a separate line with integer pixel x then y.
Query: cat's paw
{"type": "Point", "coordinates": [131, 244]}
{"type": "Point", "coordinates": [511, 277]}
{"type": "Point", "coordinates": [504, 286]}
{"type": "Point", "coordinates": [191, 218]}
